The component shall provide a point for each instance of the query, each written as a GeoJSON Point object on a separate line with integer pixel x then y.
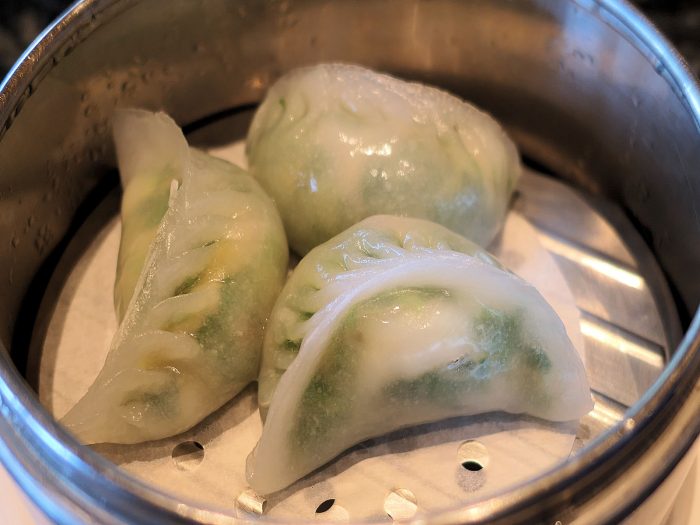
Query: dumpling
{"type": "Point", "coordinates": [334, 144]}
{"type": "Point", "coordinates": [369, 246]}
{"type": "Point", "coordinates": [192, 335]}
{"type": "Point", "coordinates": [397, 322]}
{"type": "Point", "coordinates": [147, 174]}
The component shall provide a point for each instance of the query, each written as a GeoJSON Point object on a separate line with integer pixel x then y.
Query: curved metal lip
{"type": "Point", "coordinates": [72, 484]}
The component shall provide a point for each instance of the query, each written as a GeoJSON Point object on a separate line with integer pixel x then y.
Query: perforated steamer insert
{"type": "Point", "coordinates": [572, 250]}
{"type": "Point", "coordinates": [586, 88]}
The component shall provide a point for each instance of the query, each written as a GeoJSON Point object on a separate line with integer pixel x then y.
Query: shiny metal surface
{"type": "Point", "coordinates": [619, 367]}
{"type": "Point", "coordinates": [621, 293]}
{"type": "Point", "coordinates": [587, 88]}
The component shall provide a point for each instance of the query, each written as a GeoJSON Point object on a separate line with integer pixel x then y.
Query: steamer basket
{"type": "Point", "coordinates": [593, 95]}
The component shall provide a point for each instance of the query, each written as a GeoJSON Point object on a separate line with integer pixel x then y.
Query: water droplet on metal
{"type": "Point", "coordinates": [43, 238]}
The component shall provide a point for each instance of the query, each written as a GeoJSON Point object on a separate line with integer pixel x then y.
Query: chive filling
{"type": "Point", "coordinates": [503, 347]}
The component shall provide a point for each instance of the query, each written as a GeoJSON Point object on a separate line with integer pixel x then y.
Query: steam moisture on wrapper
{"type": "Point", "coordinates": [393, 322]}
{"type": "Point", "coordinates": [191, 336]}
{"type": "Point", "coordinates": [397, 322]}
{"type": "Point", "coordinates": [334, 144]}
{"type": "Point", "coordinates": [147, 175]}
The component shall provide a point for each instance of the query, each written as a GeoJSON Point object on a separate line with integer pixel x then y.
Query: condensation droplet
{"type": "Point", "coordinates": [42, 239]}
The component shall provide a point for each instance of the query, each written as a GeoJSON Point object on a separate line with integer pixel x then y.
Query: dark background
{"type": "Point", "coordinates": [22, 20]}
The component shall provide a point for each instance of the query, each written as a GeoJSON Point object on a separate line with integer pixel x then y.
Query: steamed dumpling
{"type": "Point", "coordinates": [146, 174]}
{"type": "Point", "coordinates": [398, 322]}
{"type": "Point", "coordinates": [333, 144]}
{"type": "Point", "coordinates": [191, 337]}
{"type": "Point", "coordinates": [371, 245]}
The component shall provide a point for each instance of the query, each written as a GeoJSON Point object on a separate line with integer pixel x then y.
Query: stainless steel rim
{"type": "Point", "coordinates": [72, 484]}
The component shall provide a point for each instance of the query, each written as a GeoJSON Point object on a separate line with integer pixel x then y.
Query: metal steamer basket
{"type": "Point", "coordinates": [597, 101]}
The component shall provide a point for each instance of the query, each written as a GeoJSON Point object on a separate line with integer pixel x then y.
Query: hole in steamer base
{"type": "Point", "coordinates": [325, 506]}
{"type": "Point", "coordinates": [473, 456]}
{"type": "Point", "coordinates": [188, 455]}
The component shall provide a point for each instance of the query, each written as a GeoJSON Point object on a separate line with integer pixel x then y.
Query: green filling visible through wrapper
{"type": "Point", "coordinates": [502, 346]}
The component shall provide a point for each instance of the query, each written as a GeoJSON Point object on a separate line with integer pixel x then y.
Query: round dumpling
{"type": "Point", "coordinates": [334, 144]}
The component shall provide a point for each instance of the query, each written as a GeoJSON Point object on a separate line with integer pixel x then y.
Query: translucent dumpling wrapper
{"type": "Point", "coordinates": [147, 175]}
{"type": "Point", "coordinates": [369, 246]}
{"type": "Point", "coordinates": [192, 334]}
{"type": "Point", "coordinates": [334, 144]}
{"type": "Point", "coordinates": [398, 322]}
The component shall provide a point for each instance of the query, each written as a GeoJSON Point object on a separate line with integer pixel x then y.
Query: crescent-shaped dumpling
{"type": "Point", "coordinates": [397, 322]}
{"type": "Point", "coordinates": [192, 333]}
